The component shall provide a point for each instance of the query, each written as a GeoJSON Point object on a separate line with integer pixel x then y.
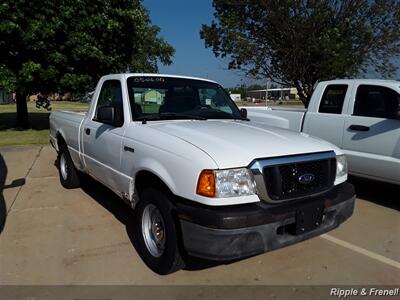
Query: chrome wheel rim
{"type": "Point", "coordinates": [153, 230]}
{"type": "Point", "coordinates": [63, 167]}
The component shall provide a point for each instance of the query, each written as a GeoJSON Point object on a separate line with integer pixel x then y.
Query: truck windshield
{"type": "Point", "coordinates": [162, 98]}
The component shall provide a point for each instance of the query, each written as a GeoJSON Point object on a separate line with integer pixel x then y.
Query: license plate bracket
{"type": "Point", "coordinates": [308, 219]}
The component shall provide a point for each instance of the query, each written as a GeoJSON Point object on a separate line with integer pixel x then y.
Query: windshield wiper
{"type": "Point", "coordinates": [222, 115]}
{"type": "Point", "coordinates": [241, 118]}
{"type": "Point", "coordinates": [167, 115]}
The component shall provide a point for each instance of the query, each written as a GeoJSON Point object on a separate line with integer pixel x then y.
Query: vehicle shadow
{"type": "Point", "coordinates": [15, 183]}
{"type": "Point", "coordinates": [376, 129]}
{"type": "Point", "coordinates": [3, 208]}
{"type": "Point", "coordinates": [381, 193]}
{"type": "Point", "coordinates": [123, 213]}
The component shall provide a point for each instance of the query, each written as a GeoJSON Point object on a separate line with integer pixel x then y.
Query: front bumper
{"type": "Point", "coordinates": [233, 232]}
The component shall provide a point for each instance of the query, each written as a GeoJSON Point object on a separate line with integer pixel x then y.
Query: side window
{"type": "Point", "coordinates": [377, 102]}
{"type": "Point", "coordinates": [333, 99]}
{"type": "Point", "coordinates": [111, 96]}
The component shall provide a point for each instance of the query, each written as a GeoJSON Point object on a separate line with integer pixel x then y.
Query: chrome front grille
{"type": "Point", "coordinates": [296, 176]}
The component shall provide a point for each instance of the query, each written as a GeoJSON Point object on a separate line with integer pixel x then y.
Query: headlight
{"type": "Point", "coordinates": [341, 166]}
{"type": "Point", "coordinates": [225, 183]}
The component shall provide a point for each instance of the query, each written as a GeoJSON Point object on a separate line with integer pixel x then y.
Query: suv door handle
{"type": "Point", "coordinates": [87, 131]}
{"type": "Point", "coordinates": [359, 128]}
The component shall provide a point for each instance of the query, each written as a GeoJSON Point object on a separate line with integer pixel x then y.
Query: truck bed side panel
{"type": "Point", "coordinates": [285, 118]}
{"type": "Point", "coordinates": [67, 124]}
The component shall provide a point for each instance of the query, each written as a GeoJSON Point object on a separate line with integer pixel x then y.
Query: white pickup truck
{"type": "Point", "coordinates": [361, 116]}
{"type": "Point", "coordinates": [202, 178]}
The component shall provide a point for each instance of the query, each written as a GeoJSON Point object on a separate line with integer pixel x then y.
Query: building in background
{"type": "Point", "coordinates": [256, 95]}
{"type": "Point", "coordinates": [236, 97]}
{"type": "Point", "coordinates": [273, 94]}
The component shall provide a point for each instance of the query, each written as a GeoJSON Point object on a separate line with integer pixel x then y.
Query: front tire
{"type": "Point", "coordinates": [156, 233]}
{"type": "Point", "coordinates": [69, 177]}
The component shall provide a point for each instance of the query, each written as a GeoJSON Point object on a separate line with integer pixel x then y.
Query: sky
{"type": "Point", "coordinates": [180, 23]}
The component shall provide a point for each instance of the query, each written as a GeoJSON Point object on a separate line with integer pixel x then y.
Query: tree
{"type": "Point", "coordinates": [273, 86]}
{"type": "Point", "coordinates": [59, 46]}
{"type": "Point", "coordinates": [300, 42]}
{"type": "Point", "coordinates": [256, 87]}
{"type": "Point", "coordinates": [242, 89]}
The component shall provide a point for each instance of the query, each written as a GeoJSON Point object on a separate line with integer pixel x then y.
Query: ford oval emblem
{"type": "Point", "coordinates": [306, 178]}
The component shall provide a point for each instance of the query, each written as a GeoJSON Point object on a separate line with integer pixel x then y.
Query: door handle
{"type": "Point", "coordinates": [359, 127]}
{"type": "Point", "coordinates": [87, 131]}
{"type": "Point", "coordinates": [129, 149]}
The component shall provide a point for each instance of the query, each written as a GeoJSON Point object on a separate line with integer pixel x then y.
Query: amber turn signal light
{"type": "Point", "coordinates": [206, 184]}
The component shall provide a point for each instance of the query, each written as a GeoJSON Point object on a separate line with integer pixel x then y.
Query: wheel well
{"type": "Point", "coordinates": [60, 140]}
{"type": "Point", "coordinates": [146, 179]}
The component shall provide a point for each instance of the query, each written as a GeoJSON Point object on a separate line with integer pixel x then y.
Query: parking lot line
{"type": "Point", "coordinates": [363, 251]}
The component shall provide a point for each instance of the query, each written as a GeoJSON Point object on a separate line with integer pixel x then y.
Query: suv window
{"type": "Point", "coordinates": [333, 99]}
{"type": "Point", "coordinates": [111, 95]}
{"type": "Point", "coordinates": [377, 102]}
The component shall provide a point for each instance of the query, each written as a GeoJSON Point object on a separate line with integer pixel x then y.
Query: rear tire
{"type": "Point", "coordinates": [69, 177]}
{"type": "Point", "coordinates": [156, 233]}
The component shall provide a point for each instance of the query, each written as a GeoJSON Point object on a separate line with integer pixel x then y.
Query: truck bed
{"type": "Point", "coordinates": [288, 118]}
{"type": "Point", "coordinates": [69, 124]}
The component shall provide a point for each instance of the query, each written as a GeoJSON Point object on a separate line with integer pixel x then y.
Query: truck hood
{"type": "Point", "coordinates": [237, 143]}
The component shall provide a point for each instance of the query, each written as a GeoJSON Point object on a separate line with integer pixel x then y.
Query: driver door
{"type": "Point", "coordinates": [102, 142]}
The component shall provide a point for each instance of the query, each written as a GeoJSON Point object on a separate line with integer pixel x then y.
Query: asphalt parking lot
{"type": "Point", "coordinates": [55, 236]}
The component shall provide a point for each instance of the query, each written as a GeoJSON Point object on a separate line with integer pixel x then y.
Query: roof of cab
{"type": "Point", "coordinates": [376, 81]}
{"type": "Point", "coordinates": [165, 75]}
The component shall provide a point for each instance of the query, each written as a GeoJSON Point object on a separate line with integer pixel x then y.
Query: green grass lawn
{"type": "Point", "coordinates": [38, 133]}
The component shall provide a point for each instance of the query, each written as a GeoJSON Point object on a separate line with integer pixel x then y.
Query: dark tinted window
{"type": "Point", "coordinates": [333, 98]}
{"type": "Point", "coordinates": [111, 95]}
{"type": "Point", "coordinates": [376, 101]}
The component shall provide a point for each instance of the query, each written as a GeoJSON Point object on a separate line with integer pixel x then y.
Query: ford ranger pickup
{"type": "Point", "coordinates": [202, 178]}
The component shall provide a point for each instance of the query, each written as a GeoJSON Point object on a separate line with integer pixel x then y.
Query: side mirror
{"type": "Point", "coordinates": [243, 113]}
{"type": "Point", "coordinates": [106, 114]}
